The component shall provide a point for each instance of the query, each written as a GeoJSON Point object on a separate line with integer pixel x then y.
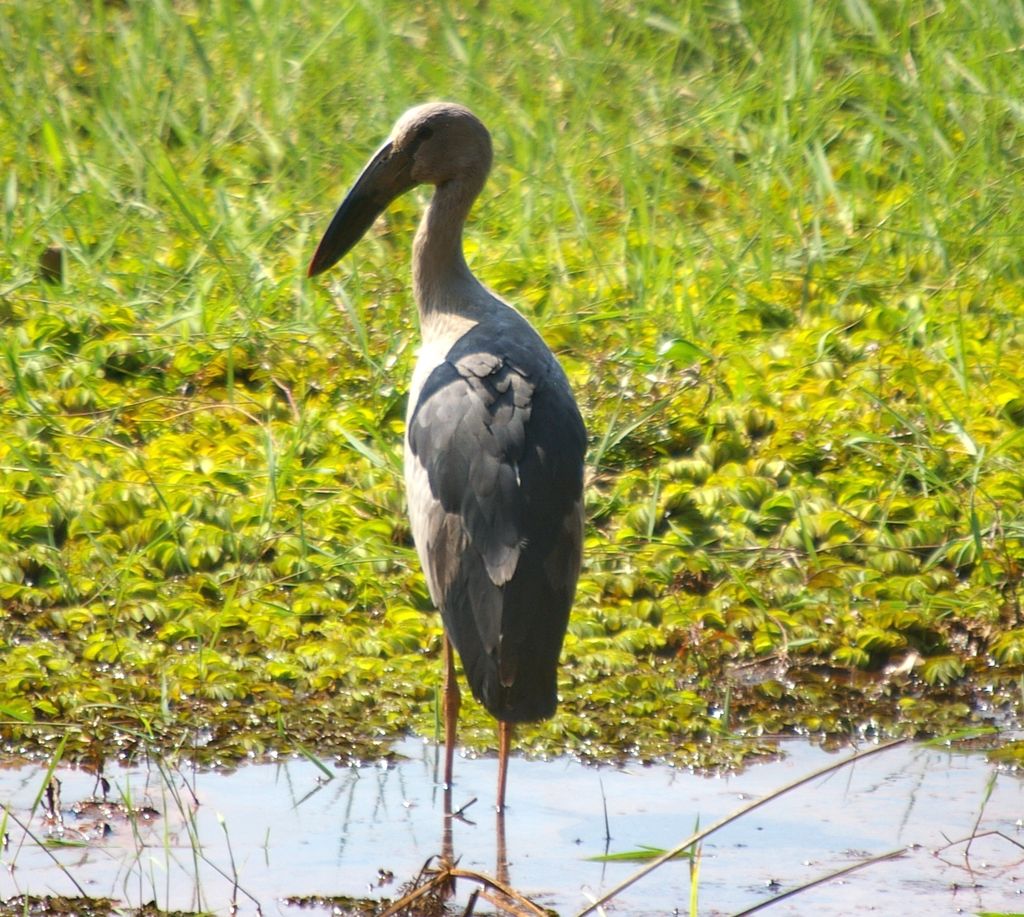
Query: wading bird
{"type": "Point", "coordinates": [494, 442]}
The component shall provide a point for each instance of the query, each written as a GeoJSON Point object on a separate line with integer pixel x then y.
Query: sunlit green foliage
{"type": "Point", "coordinates": [778, 249]}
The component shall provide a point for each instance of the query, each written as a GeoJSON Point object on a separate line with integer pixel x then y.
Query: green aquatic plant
{"type": "Point", "coordinates": [777, 254]}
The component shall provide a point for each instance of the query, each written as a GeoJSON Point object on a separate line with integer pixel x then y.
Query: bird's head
{"type": "Point", "coordinates": [435, 143]}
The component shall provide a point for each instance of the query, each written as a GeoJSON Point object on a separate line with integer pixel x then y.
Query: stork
{"type": "Point", "coordinates": [494, 441]}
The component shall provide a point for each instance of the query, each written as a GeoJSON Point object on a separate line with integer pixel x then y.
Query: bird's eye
{"type": "Point", "coordinates": [425, 132]}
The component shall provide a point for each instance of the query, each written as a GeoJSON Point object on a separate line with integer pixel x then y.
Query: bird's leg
{"type": "Point", "coordinates": [504, 743]}
{"type": "Point", "coordinates": [452, 701]}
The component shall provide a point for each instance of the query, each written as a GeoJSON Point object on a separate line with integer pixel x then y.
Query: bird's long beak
{"type": "Point", "coordinates": [387, 175]}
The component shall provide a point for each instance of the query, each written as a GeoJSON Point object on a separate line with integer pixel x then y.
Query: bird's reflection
{"type": "Point", "coordinates": [451, 815]}
{"type": "Point", "coordinates": [501, 854]}
{"type": "Point", "coordinates": [447, 845]}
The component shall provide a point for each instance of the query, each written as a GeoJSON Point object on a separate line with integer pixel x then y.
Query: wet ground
{"type": "Point", "coordinates": [267, 832]}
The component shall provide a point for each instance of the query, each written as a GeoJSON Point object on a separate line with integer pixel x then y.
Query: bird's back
{"type": "Point", "coordinates": [494, 473]}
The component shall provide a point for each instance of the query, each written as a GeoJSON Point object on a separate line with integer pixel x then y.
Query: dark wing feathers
{"type": "Point", "coordinates": [502, 448]}
{"type": "Point", "coordinates": [468, 434]}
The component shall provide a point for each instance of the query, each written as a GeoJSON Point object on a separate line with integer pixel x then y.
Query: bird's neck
{"type": "Point", "coordinates": [442, 281]}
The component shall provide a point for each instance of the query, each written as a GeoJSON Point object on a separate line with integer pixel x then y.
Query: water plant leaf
{"type": "Point", "coordinates": [793, 335]}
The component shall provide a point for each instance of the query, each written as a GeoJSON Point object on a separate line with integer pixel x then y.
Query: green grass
{"type": "Point", "coordinates": [779, 254]}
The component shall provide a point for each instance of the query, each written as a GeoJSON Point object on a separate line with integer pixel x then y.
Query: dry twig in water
{"type": "Point", "coordinates": [497, 893]}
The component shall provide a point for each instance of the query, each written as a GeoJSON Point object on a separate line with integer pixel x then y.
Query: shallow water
{"type": "Point", "coordinates": [289, 833]}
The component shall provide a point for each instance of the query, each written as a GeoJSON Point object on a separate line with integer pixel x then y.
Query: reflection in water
{"type": "Point", "coordinates": [449, 817]}
{"type": "Point", "coordinates": [500, 850]}
{"type": "Point", "coordinates": [263, 833]}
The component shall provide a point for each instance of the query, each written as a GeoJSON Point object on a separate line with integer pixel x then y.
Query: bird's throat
{"type": "Point", "coordinates": [442, 281]}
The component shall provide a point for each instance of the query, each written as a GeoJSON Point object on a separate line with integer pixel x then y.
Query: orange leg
{"type": "Point", "coordinates": [504, 743]}
{"type": "Point", "coordinates": [452, 701]}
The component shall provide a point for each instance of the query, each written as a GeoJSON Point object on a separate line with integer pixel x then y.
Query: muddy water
{"type": "Point", "coordinates": [266, 832]}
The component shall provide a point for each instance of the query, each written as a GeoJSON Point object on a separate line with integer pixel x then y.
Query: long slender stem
{"type": "Point", "coordinates": [721, 823]}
